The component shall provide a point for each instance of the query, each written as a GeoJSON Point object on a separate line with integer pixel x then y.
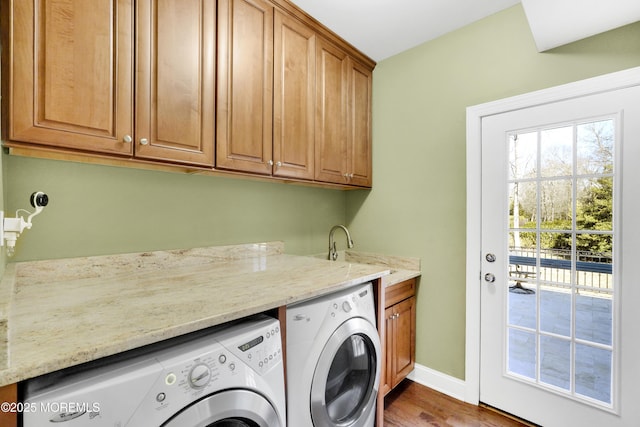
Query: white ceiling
{"type": "Point", "coordinates": [383, 28]}
{"type": "Point", "coordinates": [555, 23]}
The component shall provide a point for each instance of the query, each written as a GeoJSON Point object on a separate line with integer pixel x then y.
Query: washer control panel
{"type": "Point", "coordinates": [208, 364]}
{"type": "Point", "coordinates": [191, 373]}
{"type": "Point", "coordinates": [151, 385]}
{"type": "Point", "coordinates": [261, 351]}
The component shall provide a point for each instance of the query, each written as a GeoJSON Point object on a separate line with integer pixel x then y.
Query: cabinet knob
{"type": "Point", "coordinates": [270, 162]}
{"type": "Point", "coordinates": [127, 139]}
{"type": "Point", "coordinates": [144, 141]}
{"type": "Point", "coordinates": [278, 164]}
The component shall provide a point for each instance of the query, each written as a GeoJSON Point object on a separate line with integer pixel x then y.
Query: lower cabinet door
{"type": "Point", "coordinates": [387, 378]}
{"type": "Point", "coordinates": [405, 339]}
{"type": "Point", "coordinates": [9, 395]}
{"type": "Point", "coordinates": [400, 335]}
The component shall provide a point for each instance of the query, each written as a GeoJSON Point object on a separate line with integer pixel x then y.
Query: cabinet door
{"type": "Point", "coordinates": [245, 86]}
{"type": "Point", "coordinates": [175, 88]}
{"type": "Point", "coordinates": [405, 336]}
{"type": "Point", "coordinates": [71, 74]}
{"type": "Point", "coordinates": [331, 109]}
{"type": "Point", "coordinates": [359, 125]}
{"type": "Point", "coordinates": [294, 97]}
{"type": "Point", "coordinates": [9, 394]}
{"type": "Point", "coordinates": [388, 372]}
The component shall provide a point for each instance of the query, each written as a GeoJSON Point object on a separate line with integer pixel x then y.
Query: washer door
{"type": "Point", "coordinates": [231, 408]}
{"type": "Point", "coordinates": [347, 376]}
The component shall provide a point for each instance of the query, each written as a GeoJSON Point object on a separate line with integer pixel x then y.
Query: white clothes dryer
{"type": "Point", "coordinates": [229, 376]}
{"type": "Point", "coordinates": [333, 360]}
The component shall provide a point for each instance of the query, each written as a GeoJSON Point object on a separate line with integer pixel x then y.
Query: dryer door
{"type": "Point", "coordinates": [231, 408]}
{"type": "Point", "coordinates": [347, 376]}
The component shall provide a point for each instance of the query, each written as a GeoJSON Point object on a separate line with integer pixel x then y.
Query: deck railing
{"type": "Point", "coordinates": [592, 270]}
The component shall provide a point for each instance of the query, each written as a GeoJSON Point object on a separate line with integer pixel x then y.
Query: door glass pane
{"type": "Point", "coordinates": [595, 210]}
{"type": "Point", "coordinates": [555, 310]}
{"type": "Point", "coordinates": [522, 353]}
{"type": "Point", "coordinates": [523, 153]}
{"type": "Point", "coordinates": [560, 243]}
{"type": "Point", "coordinates": [595, 147]}
{"type": "Point", "coordinates": [522, 307]}
{"type": "Point", "coordinates": [350, 379]}
{"type": "Point", "coordinates": [593, 372]}
{"type": "Point", "coordinates": [523, 207]}
{"type": "Point", "coordinates": [555, 361]}
{"type": "Point", "coordinates": [556, 251]}
{"type": "Point", "coordinates": [556, 207]}
{"type": "Point", "coordinates": [556, 152]}
{"type": "Point", "coordinates": [594, 314]}
{"type": "Point", "coordinates": [522, 261]}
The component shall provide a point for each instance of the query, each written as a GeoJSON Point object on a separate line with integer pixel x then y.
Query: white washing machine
{"type": "Point", "coordinates": [333, 360]}
{"type": "Point", "coordinates": [230, 376]}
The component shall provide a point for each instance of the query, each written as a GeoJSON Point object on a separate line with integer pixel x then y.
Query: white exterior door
{"type": "Point", "coordinates": [559, 243]}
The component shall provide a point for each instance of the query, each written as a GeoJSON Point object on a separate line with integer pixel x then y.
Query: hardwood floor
{"type": "Point", "coordinates": [414, 405]}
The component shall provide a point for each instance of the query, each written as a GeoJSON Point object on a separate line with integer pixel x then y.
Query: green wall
{"type": "Point", "coordinates": [417, 205]}
{"type": "Point", "coordinates": [97, 210]}
{"type": "Point", "coordinates": [418, 202]}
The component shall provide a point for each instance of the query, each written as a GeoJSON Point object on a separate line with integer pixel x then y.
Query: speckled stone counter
{"type": "Point", "coordinates": [61, 313]}
{"type": "Point", "coordinates": [401, 268]}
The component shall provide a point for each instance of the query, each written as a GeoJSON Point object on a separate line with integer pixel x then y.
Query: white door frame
{"type": "Point", "coordinates": [608, 82]}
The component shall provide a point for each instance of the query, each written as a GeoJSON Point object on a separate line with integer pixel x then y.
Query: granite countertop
{"type": "Point", "coordinates": [400, 268]}
{"type": "Point", "coordinates": [60, 313]}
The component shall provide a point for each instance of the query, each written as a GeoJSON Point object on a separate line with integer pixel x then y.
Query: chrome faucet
{"type": "Point", "coordinates": [333, 253]}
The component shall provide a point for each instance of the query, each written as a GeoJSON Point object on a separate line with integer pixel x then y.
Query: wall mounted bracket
{"type": "Point", "coordinates": [11, 228]}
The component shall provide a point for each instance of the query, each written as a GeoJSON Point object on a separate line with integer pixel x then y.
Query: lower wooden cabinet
{"type": "Point", "coordinates": [9, 415]}
{"type": "Point", "coordinates": [400, 333]}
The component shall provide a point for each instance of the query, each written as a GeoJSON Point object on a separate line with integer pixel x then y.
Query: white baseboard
{"type": "Point", "coordinates": [438, 381]}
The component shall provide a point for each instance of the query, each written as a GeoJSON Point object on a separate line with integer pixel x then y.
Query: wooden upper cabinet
{"type": "Point", "coordinates": [343, 118]}
{"type": "Point", "coordinates": [359, 125]}
{"type": "Point", "coordinates": [71, 65]}
{"type": "Point", "coordinates": [331, 113]}
{"type": "Point", "coordinates": [251, 86]}
{"type": "Point", "coordinates": [72, 82]}
{"type": "Point", "coordinates": [245, 86]}
{"type": "Point", "coordinates": [175, 80]}
{"type": "Point", "coordinates": [293, 97]}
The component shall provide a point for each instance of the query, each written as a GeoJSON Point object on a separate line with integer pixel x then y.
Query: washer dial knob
{"type": "Point", "coordinates": [199, 376]}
